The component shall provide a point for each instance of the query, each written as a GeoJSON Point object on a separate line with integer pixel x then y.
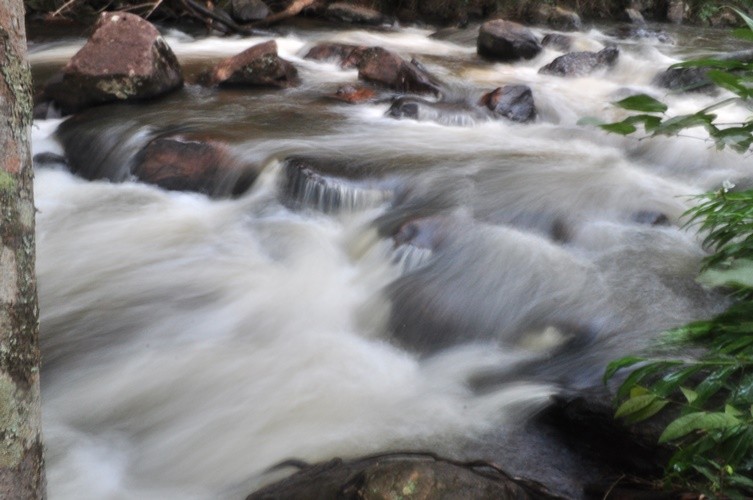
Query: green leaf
{"type": "Point", "coordinates": [729, 81]}
{"type": "Point", "coordinates": [743, 34]}
{"type": "Point", "coordinates": [689, 394]}
{"type": "Point", "coordinates": [744, 17]}
{"type": "Point", "coordinates": [643, 103]}
{"type": "Point", "coordinates": [623, 128]}
{"type": "Point", "coordinates": [635, 404]}
{"type": "Point", "coordinates": [697, 421]}
{"type": "Point", "coordinates": [740, 272]}
{"type": "Point", "coordinates": [589, 121]}
{"type": "Point", "coordinates": [619, 364]}
{"type": "Point", "coordinates": [648, 412]}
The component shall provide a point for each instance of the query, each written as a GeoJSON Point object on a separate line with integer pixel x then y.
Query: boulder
{"type": "Point", "coordinates": [339, 52]}
{"type": "Point", "coordinates": [124, 59]}
{"type": "Point", "coordinates": [247, 11]}
{"type": "Point", "coordinates": [562, 43]}
{"type": "Point", "coordinates": [256, 66]}
{"type": "Point", "coordinates": [502, 40]}
{"type": "Point", "coordinates": [633, 16]}
{"type": "Point", "coordinates": [355, 14]}
{"type": "Point", "coordinates": [386, 68]}
{"type": "Point", "coordinates": [581, 63]}
{"type": "Point", "coordinates": [557, 17]}
{"type": "Point", "coordinates": [354, 94]}
{"type": "Point", "coordinates": [514, 102]}
{"type": "Point", "coordinates": [185, 163]}
{"type": "Point", "coordinates": [401, 475]}
{"type": "Point", "coordinates": [676, 11]}
{"type": "Point", "coordinates": [684, 79]}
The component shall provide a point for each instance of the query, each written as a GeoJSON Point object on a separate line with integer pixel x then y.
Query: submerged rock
{"type": "Point", "coordinates": [339, 52]}
{"type": "Point", "coordinates": [563, 43]}
{"type": "Point", "coordinates": [581, 63]}
{"type": "Point", "coordinates": [446, 113]}
{"type": "Point", "coordinates": [514, 102]}
{"type": "Point", "coordinates": [124, 59]}
{"type": "Point", "coordinates": [184, 163]}
{"type": "Point", "coordinates": [383, 67]}
{"type": "Point", "coordinates": [506, 41]}
{"type": "Point", "coordinates": [354, 94]}
{"type": "Point", "coordinates": [256, 66]}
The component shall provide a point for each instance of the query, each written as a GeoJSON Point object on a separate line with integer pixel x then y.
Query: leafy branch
{"type": "Point", "coordinates": [708, 398]}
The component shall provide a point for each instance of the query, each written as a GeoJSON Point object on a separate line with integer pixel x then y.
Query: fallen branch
{"type": "Point", "coordinates": [63, 7]}
{"type": "Point", "coordinates": [293, 10]}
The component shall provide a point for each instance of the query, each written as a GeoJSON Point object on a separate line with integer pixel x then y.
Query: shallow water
{"type": "Point", "coordinates": [190, 343]}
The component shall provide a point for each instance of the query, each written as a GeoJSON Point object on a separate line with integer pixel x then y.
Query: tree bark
{"type": "Point", "coordinates": [21, 458]}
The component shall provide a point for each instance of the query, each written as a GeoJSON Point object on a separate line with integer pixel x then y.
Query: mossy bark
{"type": "Point", "coordinates": [21, 458]}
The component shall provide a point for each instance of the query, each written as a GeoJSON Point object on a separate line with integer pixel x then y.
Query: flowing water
{"type": "Point", "coordinates": [190, 342]}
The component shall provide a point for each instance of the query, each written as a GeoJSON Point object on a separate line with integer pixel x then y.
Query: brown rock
{"type": "Point", "coordinates": [354, 94]}
{"type": "Point", "coordinates": [506, 41]}
{"type": "Point", "coordinates": [514, 102]}
{"type": "Point", "coordinates": [125, 58]}
{"type": "Point", "coordinates": [557, 17]}
{"type": "Point", "coordinates": [181, 163]}
{"type": "Point", "coordinates": [386, 68]}
{"type": "Point", "coordinates": [256, 66]}
{"type": "Point", "coordinates": [340, 52]}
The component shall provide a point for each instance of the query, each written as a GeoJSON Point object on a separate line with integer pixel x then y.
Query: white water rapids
{"type": "Point", "coordinates": [191, 343]}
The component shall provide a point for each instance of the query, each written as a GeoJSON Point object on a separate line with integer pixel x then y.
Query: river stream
{"type": "Point", "coordinates": [431, 290]}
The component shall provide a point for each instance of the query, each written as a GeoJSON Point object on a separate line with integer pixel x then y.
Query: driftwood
{"type": "Point", "coordinates": [293, 10]}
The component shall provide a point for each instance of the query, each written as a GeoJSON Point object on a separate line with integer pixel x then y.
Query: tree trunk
{"type": "Point", "coordinates": [21, 460]}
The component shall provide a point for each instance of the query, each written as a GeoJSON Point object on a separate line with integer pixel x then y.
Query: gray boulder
{"type": "Point", "coordinates": [502, 40]}
{"type": "Point", "coordinates": [581, 63]}
{"type": "Point", "coordinates": [247, 11]}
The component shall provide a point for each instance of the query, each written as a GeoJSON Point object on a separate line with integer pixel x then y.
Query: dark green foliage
{"type": "Point", "coordinates": [710, 396]}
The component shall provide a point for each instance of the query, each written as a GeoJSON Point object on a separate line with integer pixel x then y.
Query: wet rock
{"type": "Point", "coordinates": [354, 94]}
{"type": "Point", "coordinates": [581, 63]}
{"type": "Point", "coordinates": [677, 11]}
{"type": "Point", "coordinates": [651, 218]}
{"type": "Point", "coordinates": [386, 68]}
{"type": "Point", "coordinates": [633, 16]}
{"type": "Point", "coordinates": [339, 52]}
{"type": "Point", "coordinates": [506, 41]}
{"type": "Point", "coordinates": [329, 185]}
{"type": "Point", "coordinates": [356, 14]}
{"type": "Point", "coordinates": [562, 43]}
{"type": "Point", "coordinates": [125, 58]}
{"type": "Point", "coordinates": [447, 113]}
{"type": "Point", "coordinates": [724, 18]}
{"type": "Point", "coordinates": [557, 17]}
{"type": "Point", "coordinates": [402, 475]}
{"type": "Point", "coordinates": [514, 102]}
{"type": "Point", "coordinates": [246, 11]}
{"type": "Point", "coordinates": [684, 79]}
{"type": "Point", "coordinates": [256, 66]}
{"type": "Point", "coordinates": [184, 163]}
{"type": "Point", "coordinates": [637, 32]}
